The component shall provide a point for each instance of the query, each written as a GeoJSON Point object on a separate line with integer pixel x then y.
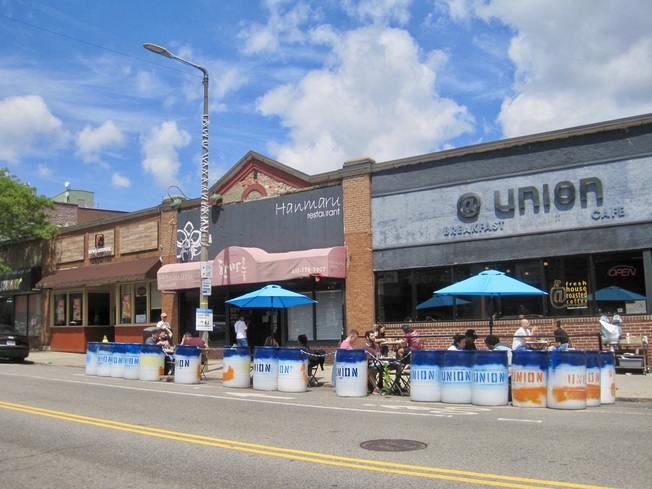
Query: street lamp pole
{"type": "Point", "coordinates": [203, 213]}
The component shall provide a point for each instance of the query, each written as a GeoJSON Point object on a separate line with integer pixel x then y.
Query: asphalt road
{"type": "Point", "coordinates": [61, 428]}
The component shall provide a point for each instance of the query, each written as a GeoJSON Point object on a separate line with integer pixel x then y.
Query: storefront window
{"type": "Point", "coordinates": [60, 309]}
{"type": "Point", "coordinates": [576, 286]}
{"type": "Point", "coordinates": [619, 284]}
{"type": "Point", "coordinates": [567, 282]}
{"type": "Point", "coordinates": [125, 304]}
{"type": "Point", "coordinates": [34, 317]}
{"type": "Point", "coordinates": [20, 314]}
{"type": "Point", "coordinates": [140, 303]}
{"type": "Point", "coordinates": [76, 308]}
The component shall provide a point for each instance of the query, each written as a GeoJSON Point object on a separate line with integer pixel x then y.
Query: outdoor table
{"type": "Point", "coordinates": [537, 345]}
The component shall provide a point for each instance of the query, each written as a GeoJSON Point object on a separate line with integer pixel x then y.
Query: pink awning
{"type": "Point", "coordinates": [241, 265]}
{"type": "Point", "coordinates": [238, 265]}
{"type": "Point", "coordinates": [178, 276]}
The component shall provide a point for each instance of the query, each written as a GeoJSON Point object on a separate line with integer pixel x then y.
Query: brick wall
{"type": "Point", "coordinates": [583, 331]}
{"type": "Point", "coordinates": [359, 311]}
{"type": "Point", "coordinates": [140, 236]}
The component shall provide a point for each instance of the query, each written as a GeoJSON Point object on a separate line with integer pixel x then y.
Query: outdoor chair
{"type": "Point", "coordinates": [315, 360]}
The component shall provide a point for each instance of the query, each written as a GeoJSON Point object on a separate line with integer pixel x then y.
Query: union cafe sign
{"type": "Point", "coordinates": [528, 202]}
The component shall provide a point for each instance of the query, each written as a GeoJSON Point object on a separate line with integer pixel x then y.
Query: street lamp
{"type": "Point", "coordinates": [205, 286]}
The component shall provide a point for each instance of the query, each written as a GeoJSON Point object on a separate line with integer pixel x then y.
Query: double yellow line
{"type": "Point", "coordinates": [312, 457]}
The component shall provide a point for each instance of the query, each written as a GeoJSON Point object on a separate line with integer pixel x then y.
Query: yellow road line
{"type": "Point", "coordinates": [313, 457]}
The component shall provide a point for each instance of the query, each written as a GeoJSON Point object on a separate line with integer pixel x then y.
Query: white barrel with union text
{"type": "Point", "coordinates": [236, 370]}
{"type": "Point", "coordinates": [425, 375]}
{"type": "Point", "coordinates": [187, 364]}
{"type": "Point", "coordinates": [490, 378]}
{"type": "Point", "coordinates": [151, 362]}
{"type": "Point", "coordinates": [118, 363]}
{"type": "Point", "coordinates": [104, 359]}
{"type": "Point", "coordinates": [456, 370]}
{"type": "Point", "coordinates": [132, 361]}
{"type": "Point", "coordinates": [593, 379]}
{"type": "Point", "coordinates": [607, 377]}
{"type": "Point", "coordinates": [567, 380]}
{"type": "Point", "coordinates": [351, 372]}
{"type": "Point", "coordinates": [529, 378]}
{"type": "Point", "coordinates": [266, 368]}
{"type": "Point", "coordinates": [91, 357]}
{"type": "Point", "coordinates": [292, 370]}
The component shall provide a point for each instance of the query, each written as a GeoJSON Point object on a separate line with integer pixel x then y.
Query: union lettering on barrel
{"type": "Point", "coordinates": [423, 374]}
{"type": "Point", "coordinates": [525, 377]}
{"type": "Point", "coordinates": [576, 379]}
{"type": "Point", "coordinates": [183, 362]}
{"type": "Point", "coordinates": [284, 369]}
{"type": "Point", "coordinates": [489, 377]}
{"type": "Point", "coordinates": [263, 367]}
{"type": "Point", "coordinates": [347, 371]}
{"type": "Point", "coordinates": [456, 376]}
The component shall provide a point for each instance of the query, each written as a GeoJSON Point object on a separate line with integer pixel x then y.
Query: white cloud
{"type": "Point", "coordinates": [283, 26]}
{"type": "Point", "coordinates": [117, 180]}
{"type": "Point", "coordinates": [378, 100]}
{"type": "Point", "coordinates": [43, 171]}
{"type": "Point", "coordinates": [575, 63]}
{"type": "Point", "coordinates": [92, 142]}
{"type": "Point", "coordinates": [380, 12]}
{"type": "Point", "coordinates": [159, 148]}
{"type": "Point", "coordinates": [26, 126]}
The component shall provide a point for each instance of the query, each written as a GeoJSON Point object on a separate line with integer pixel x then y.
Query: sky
{"type": "Point", "coordinates": [310, 84]}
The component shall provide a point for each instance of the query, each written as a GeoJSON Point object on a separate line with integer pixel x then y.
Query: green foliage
{"type": "Point", "coordinates": [23, 214]}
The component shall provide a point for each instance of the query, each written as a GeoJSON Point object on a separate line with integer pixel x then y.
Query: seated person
{"type": "Point", "coordinates": [270, 341]}
{"type": "Point", "coordinates": [190, 340]}
{"type": "Point", "coordinates": [522, 334]}
{"type": "Point", "coordinates": [493, 343]}
{"type": "Point", "coordinates": [380, 339]}
{"type": "Point", "coordinates": [373, 352]}
{"type": "Point", "coordinates": [315, 358]}
{"type": "Point", "coordinates": [471, 336]}
{"type": "Point", "coordinates": [411, 342]}
{"type": "Point", "coordinates": [154, 337]}
{"type": "Point", "coordinates": [562, 339]}
{"type": "Point", "coordinates": [459, 342]}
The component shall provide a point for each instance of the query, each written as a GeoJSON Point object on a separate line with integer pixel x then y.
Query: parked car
{"type": "Point", "coordinates": [13, 345]}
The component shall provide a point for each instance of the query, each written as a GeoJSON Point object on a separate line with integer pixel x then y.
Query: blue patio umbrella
{"type": "Point", "coordinates": [440, 301]}
{"type": "Point", "coordinates": [271, 297]}
{"type": "Point", "coordinates": [490, 283]}
{"type": "Point", "coordinates": [614, 293]}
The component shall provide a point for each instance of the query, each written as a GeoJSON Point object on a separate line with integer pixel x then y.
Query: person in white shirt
{"type": "Point", "coordinates": [241, 332]}
{"type": "Point", "coordinates": [522, 334]}
{"type": "Point", "coordinates": [164, 325]}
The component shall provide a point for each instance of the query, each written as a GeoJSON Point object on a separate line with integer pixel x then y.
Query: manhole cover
{"type": "Point", "coordinates": [393, 445]}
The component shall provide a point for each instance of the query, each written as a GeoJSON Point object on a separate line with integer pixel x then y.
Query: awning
{"type": "Point", "coordinates": [21, 280]}
{"type": "Point", "coordinates": [126, 271]}
{"type": "Point", "coordinates": [239, 265]}
{"type": "Point", "coordinates": [178, 276]}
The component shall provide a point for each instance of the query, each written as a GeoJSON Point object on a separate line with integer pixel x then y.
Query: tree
{"type": "Point", "coordinates": [23, 214]}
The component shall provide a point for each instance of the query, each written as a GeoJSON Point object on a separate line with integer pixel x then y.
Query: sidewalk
{"type": "Point", "coordinates": [634, 387]}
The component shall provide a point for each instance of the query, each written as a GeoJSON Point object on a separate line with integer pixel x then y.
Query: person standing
{"type": "Point", "coordinates": [164, 325]}
{"type": "Point", "coordinates": [241, 331]}
{"type": "Point", "coordinates": [347, 344]}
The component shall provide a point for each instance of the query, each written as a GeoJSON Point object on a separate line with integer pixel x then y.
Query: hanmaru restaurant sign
{"type": "Point", "coordinates": [578, 198]}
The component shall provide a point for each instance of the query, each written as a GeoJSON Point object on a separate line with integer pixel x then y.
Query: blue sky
{"type": "Point", "coordinates": [308, 83]}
